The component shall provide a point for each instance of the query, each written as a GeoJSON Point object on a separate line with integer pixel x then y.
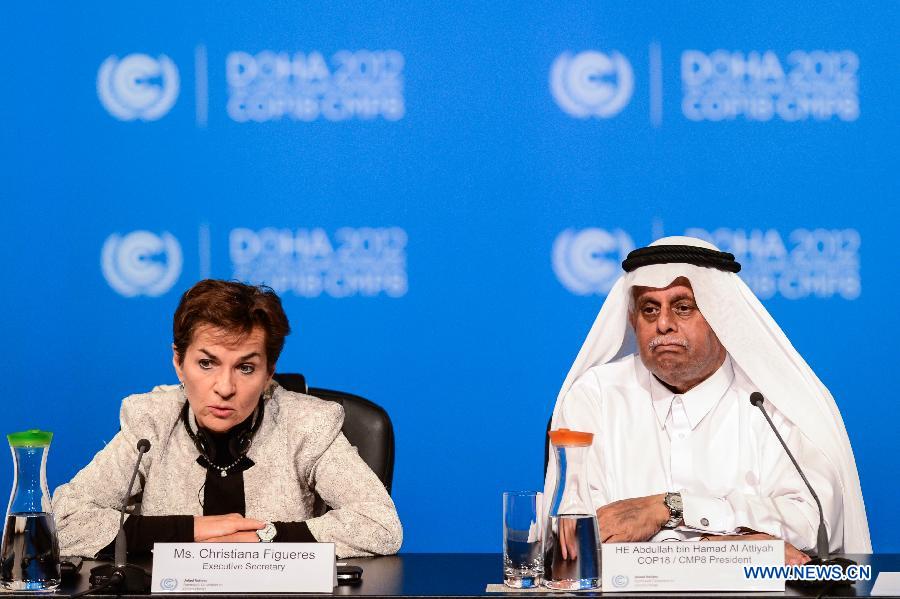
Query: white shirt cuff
{"type": "Point", "coordinates": [709, 514]}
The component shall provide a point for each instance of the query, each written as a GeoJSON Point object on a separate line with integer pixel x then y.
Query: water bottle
{"type": "Point", "coordinates": [572, 538]}
{"type": "Point", "coordinates": [29, 558]}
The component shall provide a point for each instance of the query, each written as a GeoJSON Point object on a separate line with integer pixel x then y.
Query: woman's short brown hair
{"type": "Point", "coordinates": [234, 307]}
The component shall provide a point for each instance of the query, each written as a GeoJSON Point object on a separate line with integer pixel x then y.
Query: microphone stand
{"type": "Point", "coordinates": [822, 553]}
{"type": "Point", "coordinates": [120, 575]}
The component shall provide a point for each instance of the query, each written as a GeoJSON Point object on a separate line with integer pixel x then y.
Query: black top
{"type": "Point", "coordinates": [221, 495]}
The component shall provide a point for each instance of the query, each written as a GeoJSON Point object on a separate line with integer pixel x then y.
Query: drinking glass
{"type": "Point", "coordinates": [523, 554]}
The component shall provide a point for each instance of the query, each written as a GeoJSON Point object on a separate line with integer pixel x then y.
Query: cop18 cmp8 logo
{"type": "Point", "coordinates": [591, 83]}
{"type": "Point", "coordinates": [589, 261]}
{"type": "Point", "coordinates": [141, 263]}
{"type": "Point", "coordinates": [138, 86]}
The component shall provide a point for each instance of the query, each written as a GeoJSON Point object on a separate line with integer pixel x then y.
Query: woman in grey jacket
{"type": "Point", "coordinates": [234, 457]}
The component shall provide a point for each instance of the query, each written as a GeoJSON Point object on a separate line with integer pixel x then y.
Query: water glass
{"type": "Point", "coordinates": [523, 554]}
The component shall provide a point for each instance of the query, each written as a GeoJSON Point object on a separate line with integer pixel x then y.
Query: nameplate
{"type": "Point", "coordinates": [243, 568]}
{"type": "Point", "coordinates": [692, 566]}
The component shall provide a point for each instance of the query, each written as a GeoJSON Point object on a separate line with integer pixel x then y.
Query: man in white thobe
{"type": "Point", "coordinates": [679, 452]}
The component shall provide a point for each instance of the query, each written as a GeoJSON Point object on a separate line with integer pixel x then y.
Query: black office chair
{"type": "Point", "coordinates": [366, 424]}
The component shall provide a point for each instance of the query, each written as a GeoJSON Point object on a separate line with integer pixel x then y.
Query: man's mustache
{"type": "Point", "coordinates": [667, 340]}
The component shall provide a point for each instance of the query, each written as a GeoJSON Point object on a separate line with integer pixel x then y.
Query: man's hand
{"type": "Point", "coordinates": [568, 544]}
{"type": "Point", "coordinates": [792, 555]}
{"type": "Point", "coordinates": [231, 528]}
{"type": "Point", "coordinates": [632, 520]}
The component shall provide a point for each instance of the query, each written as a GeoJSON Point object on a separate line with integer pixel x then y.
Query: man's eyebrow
{"type": "Point", "coordinates": [641, 299]}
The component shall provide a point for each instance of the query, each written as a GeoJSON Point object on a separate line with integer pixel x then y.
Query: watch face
{"type": "Point", "coordinates": [673, 502]}
{"type": "Point", "coordinates": [266, 534]}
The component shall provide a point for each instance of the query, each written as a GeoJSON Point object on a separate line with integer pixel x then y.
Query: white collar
{"type": "Point", "coordinates": [697, 401]}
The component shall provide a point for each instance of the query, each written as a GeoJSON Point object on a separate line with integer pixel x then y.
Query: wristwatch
{"type": "Point", "coordinates": [267, 533]}
{"type": "Point", "coordinates": [676, 510]}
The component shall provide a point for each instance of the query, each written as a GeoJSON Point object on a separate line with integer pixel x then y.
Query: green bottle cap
{"type": "Point", "coordinates": [32, 438]}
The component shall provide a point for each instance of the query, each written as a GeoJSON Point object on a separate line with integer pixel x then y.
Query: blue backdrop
{"type": "Point", "coordinates": [441, 193]}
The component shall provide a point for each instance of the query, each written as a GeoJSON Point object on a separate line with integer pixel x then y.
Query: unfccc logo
{"type": "Point", "coordinates": [138, 86]}
{"type": "Point", "coordinates": [591, 83]}
{"type": "Point", "coordinates": [589, 261]}
{"type": "Point", "coordinates": [141, 263]}
{"type": "Point", "coordinates": [168, 584]}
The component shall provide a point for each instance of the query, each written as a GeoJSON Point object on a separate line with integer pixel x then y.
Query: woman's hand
{"type": "Point", "coordinates": [238, 537]}
{"type": "Point", "coordinates": [229, 528]}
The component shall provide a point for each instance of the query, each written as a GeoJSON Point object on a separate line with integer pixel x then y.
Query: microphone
{"type": "Point", "coordinates": [822, 558]}
{"type": "Point", "coordinates": [122, 575]}
{"type": "Point", "coordinates": [143, 446]}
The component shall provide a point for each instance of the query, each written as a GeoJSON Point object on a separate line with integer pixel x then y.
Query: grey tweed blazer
{"type": "Point", "coordinates": [298, 452]}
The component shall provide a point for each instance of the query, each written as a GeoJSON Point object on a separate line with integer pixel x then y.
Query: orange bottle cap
{"type": "Point", "coordinates": [565, 438]}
